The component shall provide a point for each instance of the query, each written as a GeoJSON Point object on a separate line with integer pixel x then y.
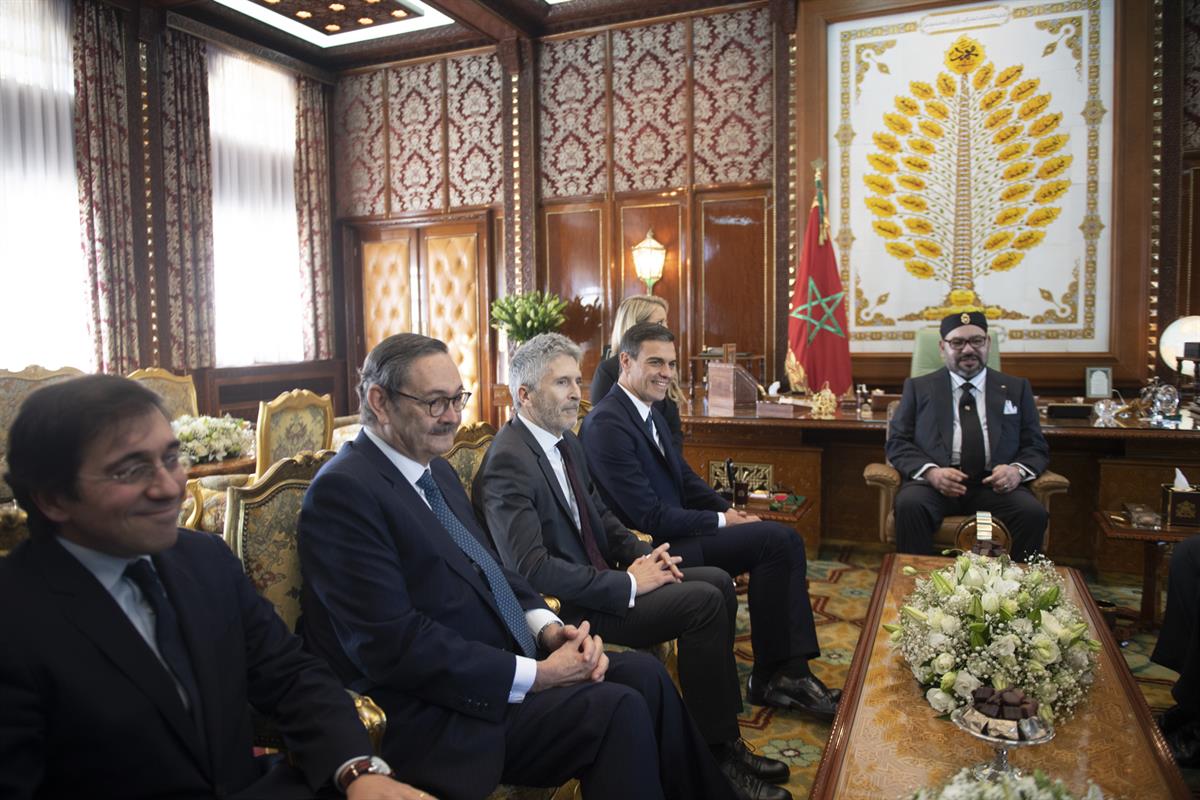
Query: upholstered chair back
{"type": "Point", "coordinates": [177, 391]}
{"type": "Point", "coordinates": [14, 388]}
{"type": "Point", "coordinates": [470, 446]}
{"type": "Point", "coordinates": [345, 429]}
{"type": "Point", "coordinates": [261, 521]}
{"type": "Point", "coordinates": [292, 423]}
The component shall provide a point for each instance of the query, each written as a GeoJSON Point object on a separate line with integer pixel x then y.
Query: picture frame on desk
{"type": "Point", "coordinates": [1097, 383]}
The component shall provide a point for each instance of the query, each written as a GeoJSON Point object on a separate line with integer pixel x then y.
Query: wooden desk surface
{"type": "Point", "coordinates": [1122, 530]}
{"type": "Point", "coordinates": [886, 740]}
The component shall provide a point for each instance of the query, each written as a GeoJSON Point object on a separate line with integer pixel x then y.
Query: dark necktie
{"type": "Point", "coordinates": [650, 428]}
{"type": "Point", "coordinates": [971, 455]}
{"type": "Point", "coordinates": [166, 630]}
{"type": "Point", "coordinates": [581, 499]}
{"type": "Point", "coordinates": [510, 609]}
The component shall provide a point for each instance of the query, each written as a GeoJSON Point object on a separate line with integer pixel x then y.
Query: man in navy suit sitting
{"type": "Point", "coordinates": [643, 477]}
{"type": "Point", "coordinates": [405, 596]}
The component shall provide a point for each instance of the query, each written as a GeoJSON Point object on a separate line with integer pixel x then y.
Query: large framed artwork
{"type": "Point", "coordinates": [973, 163]}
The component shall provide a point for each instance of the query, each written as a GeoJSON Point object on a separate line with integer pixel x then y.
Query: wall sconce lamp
{"type": "Point", "coordinates": [649, 255]}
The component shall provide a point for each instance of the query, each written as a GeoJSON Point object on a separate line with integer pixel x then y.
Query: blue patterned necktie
{"type": "Point", "coordinates": [510, 608]}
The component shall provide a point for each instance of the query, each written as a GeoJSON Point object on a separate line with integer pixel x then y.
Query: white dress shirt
{"type": "Point", "coordinates": [536, 618]}
{"type": "Point", "coordinates": [549, 444]}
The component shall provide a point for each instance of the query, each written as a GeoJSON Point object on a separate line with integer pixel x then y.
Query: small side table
{"type": "Point", "coordinates": [1153, 542]}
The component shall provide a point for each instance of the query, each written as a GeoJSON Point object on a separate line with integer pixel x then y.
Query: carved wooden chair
{"type": "Point", "coordinates": [261, 523]}
{"type": "Point", "coordinates": [470, 446]}
{"type": "Point", "coordinates": [177, 391]}
{"type": "Point", "coordinates": [345, 429]}
{"type": "Point", "coordinates": [14, 388]}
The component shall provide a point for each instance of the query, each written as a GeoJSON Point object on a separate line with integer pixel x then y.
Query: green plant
{"type": "Point", "coordinates": [523, 316]}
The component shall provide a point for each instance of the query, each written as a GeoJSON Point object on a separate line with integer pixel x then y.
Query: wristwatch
{"type": "Point", "coordinates": [363, 766]}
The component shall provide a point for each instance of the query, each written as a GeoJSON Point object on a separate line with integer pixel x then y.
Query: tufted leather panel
{"type": "Point", "coordinates": [454, 306]}
{"type": "Point", "coordinates": [389, 302]}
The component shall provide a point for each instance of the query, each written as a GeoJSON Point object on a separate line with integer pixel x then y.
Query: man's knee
{"type": "Point", "coordinates": [640, 672]}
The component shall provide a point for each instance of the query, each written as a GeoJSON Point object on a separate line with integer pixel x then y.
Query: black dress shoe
{"type": "Point", "coordinates": [747, 786]}
{"type": "Point", "coordinates": [1184, 742]}
{"type": "Point", "coordinates": [803, 694]}
{"type": "Point", "coordinates": [768, 769]}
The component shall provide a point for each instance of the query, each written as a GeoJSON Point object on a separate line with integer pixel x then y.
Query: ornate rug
{"type": "Point", "coordinates": [840, 584]}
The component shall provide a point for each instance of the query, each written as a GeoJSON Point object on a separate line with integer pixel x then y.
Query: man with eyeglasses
{"type": "Point", "coordinates": [407, 599]}
{"type": "Point", "coordinates": [131, 651]}
{"type": "Point", "coordinates": [966, 439]}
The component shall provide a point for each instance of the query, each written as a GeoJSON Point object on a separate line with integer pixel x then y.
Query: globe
{"type": "Point", "coordinates": [1170, 344]}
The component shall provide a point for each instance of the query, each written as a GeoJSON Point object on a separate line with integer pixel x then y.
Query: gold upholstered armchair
{"type": "Point", "coordinates": [470, 446]}
{"type": "Point", "coordinates": [261, 523]}
{"type": "Point", "coordinates": [178, 392]}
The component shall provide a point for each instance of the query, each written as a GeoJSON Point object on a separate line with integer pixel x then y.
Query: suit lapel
{"type": "Point", "coordinates": [92, 610]}
{"type": "Point", "coordinates": [943, 398]}
{"type": "Point", "coordinates": [639, 425]}
{"type": "Point", "coordinates": [660, 424]}
{"type": "Point", "coordinates": [544, 465]}
{"type": "Point", "coordinates": [997, 392]}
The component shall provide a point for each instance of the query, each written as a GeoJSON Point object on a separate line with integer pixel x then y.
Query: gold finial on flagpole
{"type": "Point", "coordinates": [818, 166]}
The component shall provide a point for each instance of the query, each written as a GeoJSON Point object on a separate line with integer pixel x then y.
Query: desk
{"type": "Point", "coordinates": [1153, 544]}
{"type": "Point", "coordinates": [886, 741]}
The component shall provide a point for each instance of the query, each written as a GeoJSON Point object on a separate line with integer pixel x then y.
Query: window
{"type": "Point", "coordinates": [42, 269]}
{"type": "Point", "coordinates": [256, 252]}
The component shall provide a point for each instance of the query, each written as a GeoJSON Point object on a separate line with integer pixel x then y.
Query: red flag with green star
{"type": "Point", "coordinates": [817, 330]}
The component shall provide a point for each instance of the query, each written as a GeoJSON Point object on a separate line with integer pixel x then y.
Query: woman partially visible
{"type": "Point", "coordinates": [633, 310]}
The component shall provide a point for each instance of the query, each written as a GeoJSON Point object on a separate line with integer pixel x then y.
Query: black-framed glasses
{"type": "Point", "coordinates": [958, 344]}
{"type": "Point", "coordinates": [439, 405]}
{"type": "Point", "coordinates": [143, 473]}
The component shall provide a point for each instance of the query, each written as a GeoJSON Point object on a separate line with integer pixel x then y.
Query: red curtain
{"type": "Point", "coordinates": [187, 186]}
{"type": "Point", "coordinates": [103, 170]}
{"type": "Point", "coordinates": [312, 216]}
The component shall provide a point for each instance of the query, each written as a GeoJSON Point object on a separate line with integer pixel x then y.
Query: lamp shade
{"type": "Point", "coordinates": [649, 255]}
{"type": "Point", "coordinates": [1170, 344]}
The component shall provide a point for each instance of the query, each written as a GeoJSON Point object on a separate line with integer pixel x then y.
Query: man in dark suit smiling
{"type": "Point", "coordinates": [964, 439]}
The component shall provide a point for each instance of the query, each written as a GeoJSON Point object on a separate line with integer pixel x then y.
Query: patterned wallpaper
{"type": "Point", "coordinates": [649, 86]}
{"type": "Point", "coordinates": [358, 145]}
{"type": "Point", "coordinates": [1191, 76]}
{"type": "Point", "coordinates": [410, 172]}
{"type": "Point", "coordinates": [733, 97]}
{"type": "Point", "coordinates": [574, 120]}
{"type": "Point", "coordinates": [730, 91]}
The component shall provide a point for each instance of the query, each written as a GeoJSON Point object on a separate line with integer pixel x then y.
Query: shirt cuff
{"type": "Point", "coordinates": [1026, 472]}
{"type": "Point", "coordinates": [720, 519]}
{"type": "Point", "coordinates": [632, 588]}
{"type": "Point", "coordinates": [917, 475]}
{"type": "Point", "coordinates": [538, 618]}
{"type": "Point", "coordinates": [523, 679]}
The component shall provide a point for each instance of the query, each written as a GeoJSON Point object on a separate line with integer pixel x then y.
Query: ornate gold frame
{"type": "Point", "coordinates": [151, 374]}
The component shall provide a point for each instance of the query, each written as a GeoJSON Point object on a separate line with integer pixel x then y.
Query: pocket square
{"type": "Point", "coordinates": [1009, 408]}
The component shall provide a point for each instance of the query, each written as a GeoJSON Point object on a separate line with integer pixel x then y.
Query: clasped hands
{"type": "Point", "coordinates": [575, 657]}
{"type": "Point", "coordinates": [951, 481]}
{"type": "Point", "coordinates": [656, 568]}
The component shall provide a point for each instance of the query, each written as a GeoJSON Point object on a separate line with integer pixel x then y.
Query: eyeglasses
{"type": "Point", "coordinates": [958, 344]}
{"type": "Point", "coordinates": [440, 405]}
{"type": "Point", "coordinates": [143, 473]}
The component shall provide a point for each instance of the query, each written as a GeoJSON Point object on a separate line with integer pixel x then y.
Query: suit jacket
{"type": "Point", "coordinates": [608, 372]}
{"type": "Point", "coordinates": [401, 613]}
{"type": "Point", "coordinates": [650, 490]}
{"type": "Point", "coordinates": [922, 429]}
{"type": "Point", "coordinates": [521, 500]}
{"type": "Point", "coordinates": [89, 711]}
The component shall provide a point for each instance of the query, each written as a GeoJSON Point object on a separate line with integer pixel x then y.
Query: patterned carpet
{"type": "Point", "coordinates": [840, 584]}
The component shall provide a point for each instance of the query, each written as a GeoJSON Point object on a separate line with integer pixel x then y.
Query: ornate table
{"type": "Point", "coordinates": [887, 741]}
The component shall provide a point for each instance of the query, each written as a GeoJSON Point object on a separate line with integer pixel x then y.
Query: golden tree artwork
{"type": "Point", "coordinates": [966, 176]}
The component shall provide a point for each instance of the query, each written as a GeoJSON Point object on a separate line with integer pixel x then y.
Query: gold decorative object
{"type": "Point", "coordinates": [824, 403]}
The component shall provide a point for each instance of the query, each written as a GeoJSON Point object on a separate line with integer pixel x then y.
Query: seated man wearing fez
{"type": "Point", "coordinates": [549, 523]}
{"type": "Point", "coordinates": [405, 597]}
{"type": "Point", "coordinates": [966, 439]}
{"type": "Point", "coordinates": [131, 651]}
{"type": "Point", "coordinates": [1178, 648]}
{"type": "Point", "coordinates": [644, 479]}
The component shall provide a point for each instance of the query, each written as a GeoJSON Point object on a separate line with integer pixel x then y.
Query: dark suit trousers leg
{"type": "Point", "coordinates": [781, 617]}
{"type": "Point", "coordinates": [1179, 630]}
{"type": "Point", "coordinates": [919, 510]}
{"type": "Point", "coordinates": [701, 613]}
{"type": "Point", "coordinates": [1018, 509]}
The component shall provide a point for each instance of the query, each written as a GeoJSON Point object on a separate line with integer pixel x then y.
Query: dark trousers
{"type": "Point", "coordinates": [701, 613]}
{"type": "Point", "coordinates": [1178, 645]}
{"type": "Point", "coordinates": [781, 618]}
{"type": "Point", "coordinates": [628, 737]}
{"type": "Point", "coordinates": [920, 510]}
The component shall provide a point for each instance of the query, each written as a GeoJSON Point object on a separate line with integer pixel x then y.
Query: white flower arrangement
{"type": "Point", "coordinates": [987, 621]}
{"type": "Point", "coordinates": [1037, 786]}
{"type": "Point", "coordinates": [212, 438]}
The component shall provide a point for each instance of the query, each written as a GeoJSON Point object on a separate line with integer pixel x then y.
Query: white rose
{"type": "Point", "coordinates": [965, 683]}
{"type": "Point", "coordinates": [942, 702]}
{"type": "Point", "coordinates": [1044, 649]}
{"type": "Point", "coordinates": [1053, 627]}
{"type": "Point", "coordinates": [950, 624]}
{"type": "Point", "coordinates": [991, 602]}
{"type": "Point", "coordinates": [943, 663]}
{"type": "Point", "coordinates": [937, 641]}
{"type": "Point", "coordinates": [973, 578]}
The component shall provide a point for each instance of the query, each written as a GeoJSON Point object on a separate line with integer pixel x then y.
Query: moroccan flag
{"type": "Point", "coordinates": [817, 331]}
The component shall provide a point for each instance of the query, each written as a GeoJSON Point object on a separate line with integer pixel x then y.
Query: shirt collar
{"type": "Point", "coordinates": [108, 569]}
{"type": "Point", "coordinates": [411, 470]}
{"type": "Point", "coordinates": [643, 409]}
{"type": "Point", "coordinates": [545, 438]}
{"type": "Point", "coordinates": [979, 381]}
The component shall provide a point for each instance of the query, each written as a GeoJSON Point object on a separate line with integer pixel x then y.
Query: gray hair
{"type": "Point", "coordinates": [533, 358]}
{"type": "Point", "coordinates": [388, 365]}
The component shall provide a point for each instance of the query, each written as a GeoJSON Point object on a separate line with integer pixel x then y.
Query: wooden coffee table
{"type": "Point", "coordinates": [886, 740]}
